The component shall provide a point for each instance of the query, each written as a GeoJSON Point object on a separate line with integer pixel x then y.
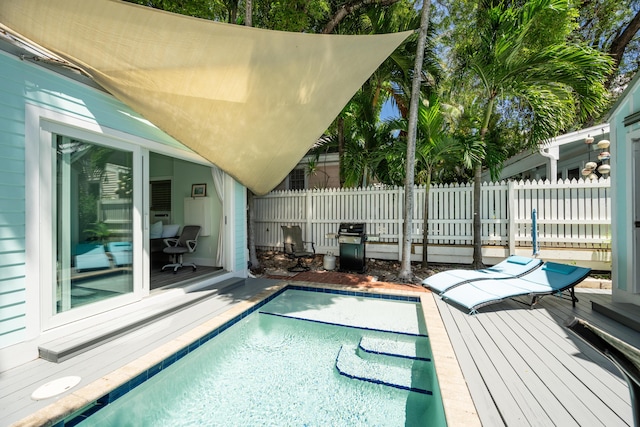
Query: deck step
{"type": "Point", "coordinates": [63, 348]}
{"type": "Point", "coordinates": [416, 349]}
{"type": "Point", "coordinates": [624, 313]}
{"type": "Point", "coordinates": [351, 365]}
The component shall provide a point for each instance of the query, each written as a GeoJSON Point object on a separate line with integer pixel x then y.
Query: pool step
{"type": "Point", "coordinates": [351, 365]}
{"type": "Point", "coordinates": [417, 349]}
{"type": "Point", "coordinates": [63, 348]}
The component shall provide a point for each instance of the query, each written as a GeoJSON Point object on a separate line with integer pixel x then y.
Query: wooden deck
{"type": "Point", "coordinates": [523, 367]}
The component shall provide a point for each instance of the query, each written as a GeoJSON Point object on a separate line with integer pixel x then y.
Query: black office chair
{"type": "Point", "coordinates": [294, 247]}
{"type": "Point", "coordinates": [177, 247]}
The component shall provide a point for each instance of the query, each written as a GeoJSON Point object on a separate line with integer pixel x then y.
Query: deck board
{"type": "Point", "coordinates": [489, 416]}
{"type": "Point", "coordinates": [554, 385]}
{"type": "Point", "coordinates": [532, 371]}
{"type": "Point", "coordinates": [568, 354]}
{"type": "Point", "coordinates": [502, 360]}
{"type": "Point", "coordinates": [533, 368]}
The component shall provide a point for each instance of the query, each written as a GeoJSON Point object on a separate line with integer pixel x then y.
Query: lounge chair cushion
{"type": "Point", "coordinates": [559, 268]}
{"type": "Point", "coordinates": [515, 259]}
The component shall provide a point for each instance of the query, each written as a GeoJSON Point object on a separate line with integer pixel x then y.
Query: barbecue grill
{"type": "Point", "coordinates": [351, 238]}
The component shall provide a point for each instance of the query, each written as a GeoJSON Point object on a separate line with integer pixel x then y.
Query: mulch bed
{"type": "Point", "coordinates": [358, 281]}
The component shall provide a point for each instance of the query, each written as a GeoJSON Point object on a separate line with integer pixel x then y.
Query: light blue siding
{"type": "Point", "coordinates": [622, 185]}
{"type": "Point", "coordinates": [12, 203]}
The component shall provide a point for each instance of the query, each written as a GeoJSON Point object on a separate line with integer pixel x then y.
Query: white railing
{"type": "Point", "coordinates": [570, 214]}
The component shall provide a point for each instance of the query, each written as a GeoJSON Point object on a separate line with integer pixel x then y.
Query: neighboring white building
{"type": "Point", "coordinates": [563, 157]}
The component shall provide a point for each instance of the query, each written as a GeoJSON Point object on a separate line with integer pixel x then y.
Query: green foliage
{"type": "Point", "coordinates": [98, 232]}
{"type": "Point", "coordinates": [215, 10]}
{"type": "Point", "coordinates": [87, 208]}
{"type": "Point", "coordinates": [547, 82]}
{"type": "Point", "coordinates": [292, 15]}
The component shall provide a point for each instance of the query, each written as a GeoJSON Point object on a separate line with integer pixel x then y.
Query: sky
{"type": "Point", "coordinates": [389, 111]}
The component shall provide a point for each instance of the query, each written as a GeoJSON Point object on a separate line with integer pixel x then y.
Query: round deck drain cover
{"type": "Point", "coordinates": [55, 387]}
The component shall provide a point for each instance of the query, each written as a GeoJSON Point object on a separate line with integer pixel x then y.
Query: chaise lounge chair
{"type": "Point", "coordinates": [514, 266]}
{"type": "Point", "coordinates": [551, 278]}
{"type": "Point", "coordinates": [121, 253]}
{"type": "Point", "coordinates": [91, 256]}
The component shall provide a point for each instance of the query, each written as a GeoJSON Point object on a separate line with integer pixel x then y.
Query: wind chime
{"type": "Point", "coordinates": [588, 172]}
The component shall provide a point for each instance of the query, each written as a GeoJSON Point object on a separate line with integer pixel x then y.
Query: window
{"type": "Point", "coordinates": [573, 173]}
{"type": "Point", "coordinates": [160, 195]}
{"type": "Point", "coordinates": [93, 249]}
{"type": "Point", "coordinates": [296, 179]}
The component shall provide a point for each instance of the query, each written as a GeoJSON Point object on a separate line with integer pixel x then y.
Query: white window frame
{"type": "Point", "coordinates": [41, 126]}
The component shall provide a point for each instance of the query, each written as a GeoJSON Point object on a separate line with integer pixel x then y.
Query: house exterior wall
{"type": "Point", "coordinates": [24, 87]}
{"type": "Point", "coordinates": [12, 202]}
{"type": "Point", "coordinates": [326, 172]}
{"type": "Point", "coordinates": [624, 180]}
{"type": "Point", "coordinates": [325, 177]}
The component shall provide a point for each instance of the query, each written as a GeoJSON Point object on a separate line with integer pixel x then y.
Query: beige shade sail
{"type": "Point", "coordinates": [251, 101]}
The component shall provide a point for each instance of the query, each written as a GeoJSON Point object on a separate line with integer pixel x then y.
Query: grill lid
{"type": "Point", "coordinates": [352, 228]}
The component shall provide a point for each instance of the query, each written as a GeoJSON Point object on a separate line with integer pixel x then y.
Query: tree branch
{"type": "Point", "coordinates": [349, 8]}
{"type": "Point", "coordinates": [619, 44]}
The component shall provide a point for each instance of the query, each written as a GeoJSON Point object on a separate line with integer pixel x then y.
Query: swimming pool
{"type": "Point", "coordinates": [302, 358]}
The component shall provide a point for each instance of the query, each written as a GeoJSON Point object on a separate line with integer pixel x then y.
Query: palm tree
{"type": "Point", "coordinates": [357, 132]}
{"type": "Point", "coordinates": [405, 264]}
{"type": "Point", "coordinates": [435, 150]}
{"type": "Point", "coordinates": [550, 81]}
{"type": "Point", "coordinates": [438, 149]}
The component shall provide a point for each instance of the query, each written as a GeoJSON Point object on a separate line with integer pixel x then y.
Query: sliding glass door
{"type": "Point", "coordinates": [93, 223]}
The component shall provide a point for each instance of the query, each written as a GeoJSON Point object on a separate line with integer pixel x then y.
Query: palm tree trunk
{"type": "Point", "coordinates": [405, 266]}
{"type": "Point", "coordinates": [477, 225]}
{"type": "Point", "coordinates": [248, 13]}
{"type": "Point", "coordinates": [251, 232]}
{"type": "Point", "coordinates": [477, 190]}
{"type": "Point", "coordinates": [341, 150]}
{"type": "Point", "coordinates": [425, 225]}
{"type": "Point", "coordinates": [254, 262]}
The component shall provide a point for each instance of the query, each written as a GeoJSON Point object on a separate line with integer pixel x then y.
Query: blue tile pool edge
{"type": "Point", "coordinates": [121, 390]}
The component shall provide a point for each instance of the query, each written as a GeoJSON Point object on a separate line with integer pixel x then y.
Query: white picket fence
{"type": "Point", "coordinates": [574, 216]}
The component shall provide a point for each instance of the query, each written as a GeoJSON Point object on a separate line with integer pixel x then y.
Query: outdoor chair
{"type": "Point", "coordinates": [294, 247]}
{"type": "Point", "coordinates": [551, 278]}
{"type": "Point", "coordinates": [91, 256]}
{"type": "Point", "coordinates": [121, 253]}
{"type": "Point", "coordinates": [513, 266]}
{"type": "Point", "coordinates": [177, 247]}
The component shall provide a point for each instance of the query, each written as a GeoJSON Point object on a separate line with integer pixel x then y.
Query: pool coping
{"type": "Point", "coordinates": [458, 405]}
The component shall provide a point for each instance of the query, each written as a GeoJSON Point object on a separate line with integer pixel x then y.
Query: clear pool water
{"type": "Point", "coordinates": [290, 364]}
